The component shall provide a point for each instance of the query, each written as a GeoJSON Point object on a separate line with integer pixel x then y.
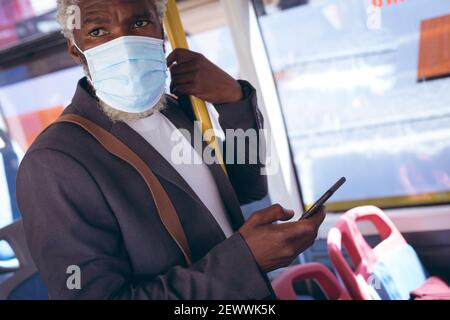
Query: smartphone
{"type": "Point", "coordinates": [323, 199]}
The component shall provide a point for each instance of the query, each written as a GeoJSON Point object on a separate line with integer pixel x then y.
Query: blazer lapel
{"type": "Point", "coordinates": [157, 163]}
{"type": "Point", "coordinates": [175, 114]}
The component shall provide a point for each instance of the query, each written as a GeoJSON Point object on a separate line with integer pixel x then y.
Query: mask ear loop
{"type": "Point", "coordinates": [88, 75]}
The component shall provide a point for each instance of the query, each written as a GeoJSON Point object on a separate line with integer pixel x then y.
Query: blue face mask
{"type": "Point", "coordinates": [128, 73]}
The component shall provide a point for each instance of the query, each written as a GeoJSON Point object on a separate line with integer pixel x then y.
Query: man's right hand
{"type": "Point", "coordinates": [277, 245]}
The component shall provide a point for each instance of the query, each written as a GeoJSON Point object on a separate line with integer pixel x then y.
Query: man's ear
{"type": "Point", "coordinates": [74, 52]}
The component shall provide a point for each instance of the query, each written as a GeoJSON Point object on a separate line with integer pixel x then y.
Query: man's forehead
{"type": "Point", "coordinates": [90, 5]}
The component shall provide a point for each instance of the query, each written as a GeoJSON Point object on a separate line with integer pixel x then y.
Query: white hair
{"type": "Point", "coordinates": [64, 12]}
{"type": "Point", "coordinates": [120, 116]}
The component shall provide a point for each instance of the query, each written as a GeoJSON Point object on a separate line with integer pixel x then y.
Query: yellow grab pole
{"type": "Point", "coordinates": [177, 37]}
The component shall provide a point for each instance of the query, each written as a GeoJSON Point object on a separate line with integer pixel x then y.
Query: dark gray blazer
{"type": "Point", "coordinates": [82, 206]}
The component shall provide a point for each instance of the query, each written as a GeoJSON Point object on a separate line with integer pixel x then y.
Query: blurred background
{"type": "Point", "coordinates": [347, 89]}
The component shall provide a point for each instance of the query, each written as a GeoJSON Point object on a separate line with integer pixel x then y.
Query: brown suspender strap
{"type": "Point", "coordinates": [164, 206]}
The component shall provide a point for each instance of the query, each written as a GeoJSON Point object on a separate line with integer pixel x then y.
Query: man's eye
{"type": "Point", "coordinates": [97, 33]}
{"type": "Point", "coordinates": [141, 24]}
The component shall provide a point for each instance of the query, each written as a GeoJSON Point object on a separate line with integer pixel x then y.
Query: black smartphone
{"type": "Point", "coordinates": [327, 195]}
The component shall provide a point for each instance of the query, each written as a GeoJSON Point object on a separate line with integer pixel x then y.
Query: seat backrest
{"type": "Point", "coordinates": [283, 285]}
{"type": "Point", "coordinates": [15, 236]}
{"type": "Point", "coordinates": [391, 270]}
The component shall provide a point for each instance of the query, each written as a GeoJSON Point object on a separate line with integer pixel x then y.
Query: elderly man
{"type": "Point", "coordinates": [84, 208]}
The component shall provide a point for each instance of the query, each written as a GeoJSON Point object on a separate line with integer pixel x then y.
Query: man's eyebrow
{"type": "Point", "coordinates": [95, 19]}
{"type": "Point", "coordinates": [143, 15]}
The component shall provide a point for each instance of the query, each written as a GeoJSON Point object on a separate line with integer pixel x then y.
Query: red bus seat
{"type": "Point", "coordinates": [390, 271]}
{"type": "Point", "coordinates": [284, 284]}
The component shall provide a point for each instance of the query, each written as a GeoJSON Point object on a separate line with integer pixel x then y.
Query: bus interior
{"type": "Point", "coordinates": [354, 88]}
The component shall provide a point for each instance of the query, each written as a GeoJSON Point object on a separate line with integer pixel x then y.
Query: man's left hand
{"type": "Point", "coordinates": [193, 74]}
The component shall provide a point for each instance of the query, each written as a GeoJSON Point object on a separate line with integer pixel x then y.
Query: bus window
{"type": "Point", "coordinates": [365, 94]}
{"type": "Point", "coordinates": [210, 34]}
{"type": "Point", "coordinates": [24, 20]}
